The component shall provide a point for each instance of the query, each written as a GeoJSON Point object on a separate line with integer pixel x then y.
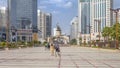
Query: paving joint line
{"type": "Point", "coordinates": [89, 62]}
{"type": "Point", "coordinates": [103, 60]}
{"type": "Point", "coordinates": [59, 63]}
{"type": "Point", "coordinates": [74, 62]}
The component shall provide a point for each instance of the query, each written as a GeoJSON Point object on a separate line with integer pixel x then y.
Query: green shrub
{"type": "Point", "coordinates": [30, 44]}
{"type": "Point", "coordinates": [44, 43]}
{"type": "Point", "coordinates": [73, 42]}
{"type": "Point", "coordinates": [3, 44]}
{"type": "Point", "coordinates": [12, 45]}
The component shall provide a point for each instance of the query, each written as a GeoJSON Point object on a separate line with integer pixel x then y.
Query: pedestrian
{"type": "Point", "coordinates": [47, 46]}
{"type": "Point", "coordinates": [57, 49]}
{"type": "Point", "coordinates": [52, 49]}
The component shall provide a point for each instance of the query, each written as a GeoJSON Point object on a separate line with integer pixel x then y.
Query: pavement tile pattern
{"type": "Point", "coordinates": [71, 57]}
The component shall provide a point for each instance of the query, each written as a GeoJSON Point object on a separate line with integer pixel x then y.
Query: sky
{"type": "Point", "coordinates": [62, 11]}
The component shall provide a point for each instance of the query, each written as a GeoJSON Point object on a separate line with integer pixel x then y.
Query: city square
{"type": "Point", "coordinates": [59, 34]}
{"type": "Point", "coordinates": [71, 57]}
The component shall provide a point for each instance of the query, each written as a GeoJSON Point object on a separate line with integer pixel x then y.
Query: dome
{"type": "Point", "coordinates": [58, 28]}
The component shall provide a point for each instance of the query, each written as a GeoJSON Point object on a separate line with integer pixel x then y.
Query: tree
{"type": "Point", "coordinates": [106, 33]}
{"type": "Point", "coordinates": [73, 42]}
{"type": "Point", "coordinates": [113, 31]}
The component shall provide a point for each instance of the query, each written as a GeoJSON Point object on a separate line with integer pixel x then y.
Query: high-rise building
{"type": "Point", "coordinates": [23, 17]}
{"type": "Point", "coordinates": [44, 24]}
{"type": "Point", "coordinates": [91, 10]}
{"type": "Point", "coordinates": [74, 28]}
{"type": "Point", "coordinates": [3, 21]}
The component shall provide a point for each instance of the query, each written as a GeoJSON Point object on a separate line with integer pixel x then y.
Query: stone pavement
{"type": "Point", "coordinates": [71, 57]}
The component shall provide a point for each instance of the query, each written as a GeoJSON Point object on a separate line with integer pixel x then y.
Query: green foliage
{"type": "Point", "coordinates": [44, 43]}
{"type": "Point", "coordinates": [39, 42]}
{"type": "Point", "coordinates": [111, 31]}
{"type": "Point", "coordinates": [73, 42]}
{"type": "Point", "coordinates": [19, 43]}
{"type": "Point", "coordinates": [12, 45]}
{"type": "Point", "coordinates": [30, 44]}
{"type": "Point", "coordinates": [106, 32]}
{"type": "Point", "coordinates": [2, 44]}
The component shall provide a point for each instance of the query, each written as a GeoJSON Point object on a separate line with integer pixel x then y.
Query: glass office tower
{"type": "Point", "coordinates": [20, 10]}
{"type": "Point", "coordinates": [89, 10]}
{"type": "Point", "coordinates": [22, 16]}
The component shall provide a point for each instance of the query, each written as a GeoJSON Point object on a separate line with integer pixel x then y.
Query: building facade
{"type": "Point", "coordinates": [3, 21]}
{"type": "Point", "coordinates": [23, 17]}
{"type": "Point", "coordinates": [74, 28]}
{"type": "Point", "coordinates": [91, 10]}
{"type": "Point", "coordinates": [57, 31]}
{"type": "Point", "coordinates": [44, 24]}
{"type": "Point", "coordinates": [59, 37]}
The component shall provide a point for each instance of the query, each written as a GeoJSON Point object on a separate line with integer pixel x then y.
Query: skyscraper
{"type": "Point", "coordinates": [74, 28]}
{"type": "Point", "coordinates": [22, 16]}
{"type": "Point", "coordinates": [44, 24]}
{"type": "Point", "coordinates": [3, 20]}
{"type": "Point", "coordinates": [3, 17]}
{"type": "Point", "coordinates": [90, 10]}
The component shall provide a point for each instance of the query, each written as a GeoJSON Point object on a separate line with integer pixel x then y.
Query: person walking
{"type": "Point", "coordinates": [57, 49]}
{"type": "Point", "coordinates": [52, 49]}
{"type": "Point", "coordinates": [47, 46]}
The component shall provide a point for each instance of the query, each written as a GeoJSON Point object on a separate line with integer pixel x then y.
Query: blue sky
{"type": "Point", "coordinates": [62, 11]}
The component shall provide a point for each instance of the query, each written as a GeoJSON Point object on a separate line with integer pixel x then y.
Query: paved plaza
{"type": "Point", "coordinates": [71, 57]}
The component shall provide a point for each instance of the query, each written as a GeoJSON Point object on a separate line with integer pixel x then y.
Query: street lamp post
{"type": "Point", "coordinates": [7, 31]}
{"type": "Point", "coordinates": [99, 24]}
{"type": "Point", "coordinates": [80, 39]}
{"type": "Point", "coordinates": [84, 36]}
{"type": "Point", "coordinates": [90, 34]}
{"type": "Point", "coordinates": [116, 13]}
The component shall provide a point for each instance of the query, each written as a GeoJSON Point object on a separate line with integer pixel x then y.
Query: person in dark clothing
{"type": "Point", "coordinates": [57, 49]}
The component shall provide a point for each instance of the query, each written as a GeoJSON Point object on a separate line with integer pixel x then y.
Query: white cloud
{"type": "Point", "coordinates": [51, 1]}
{"type": "Point", "coordinates": [59, 3]}
{"type": "Point", "coordinates": [42, 7]}
{"type": "Point", "coordinates": [55, 1]}
{"type": "Point", "coordinates": [68, 5]}
{"type": "Point", "coordinates": [55, 12]}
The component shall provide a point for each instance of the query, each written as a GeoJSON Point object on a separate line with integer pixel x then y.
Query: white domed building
{"type": "Point", "coordinates": [57, 31]}
{"type": "Point", "coordinates": [58, 35]}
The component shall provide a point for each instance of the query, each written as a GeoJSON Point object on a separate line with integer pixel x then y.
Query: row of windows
{"type": "Point", "coordinates": [99, 10]}
{"type": "Point", "coordinates": [98, 0]}
{"type": "Point", "coordinates": [85, 17]}
{"type": "Point", "coordinates": [102, 25]}
{"type": "Point", "coordinates": [92, 0]}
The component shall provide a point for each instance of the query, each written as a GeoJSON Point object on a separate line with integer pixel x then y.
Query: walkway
{"type": "Point", "coordinates": [72, 57]}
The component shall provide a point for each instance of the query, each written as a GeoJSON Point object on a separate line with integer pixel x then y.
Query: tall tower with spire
{"type": "Point", "coordinates": [57, 30]}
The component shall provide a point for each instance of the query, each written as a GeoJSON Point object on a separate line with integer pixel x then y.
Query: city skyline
{"type": "Point", "coordinates": [63, 11]}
